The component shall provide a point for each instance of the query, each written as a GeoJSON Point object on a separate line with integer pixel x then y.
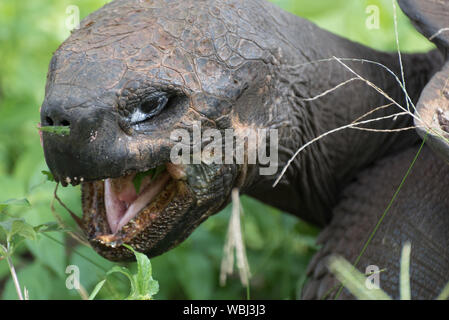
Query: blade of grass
{"type": "Point", "coordinates": [396, 32]}
{"type": "Point", "coordinates": [354, 280]}
{"type": "Point", "coordinates": [438, 33]}
{"type": "Point", "coordinates": [386, 210]}
{"type": "Point", "coordinates": [405, 272]}
{"type": "Point", "coordinates": [96, 290]}
{"type": "Point", "coordinates": [351, 125]}
{"type": "Point", "coordinates": [444, 295]}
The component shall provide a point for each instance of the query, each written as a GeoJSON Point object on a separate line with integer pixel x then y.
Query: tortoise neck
{"type": "Point", "coordinates": [311, 185]}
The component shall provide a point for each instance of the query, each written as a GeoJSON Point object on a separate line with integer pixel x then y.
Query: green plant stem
{"type": "Point", "coordinates": [354, 280]}
{"type": "Point", "coordinates": [405, 272]}
{"type": "Point", "coordinates": [13, 273]}
{"type": "Point", "coordinates": [386, 210]}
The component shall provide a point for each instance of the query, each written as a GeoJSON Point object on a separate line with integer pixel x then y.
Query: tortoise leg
{"type": "Point", "coordinates": [420, 214]}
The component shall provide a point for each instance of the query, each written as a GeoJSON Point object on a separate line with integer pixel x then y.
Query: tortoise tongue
{"type": "Point", "coordinates": [123, 203]}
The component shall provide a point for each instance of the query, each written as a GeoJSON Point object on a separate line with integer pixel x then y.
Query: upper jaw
{"type": "Point", "coordinates": [106, 153]}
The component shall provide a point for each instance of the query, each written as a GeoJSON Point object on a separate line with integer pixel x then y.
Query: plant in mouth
{"type": "Point", "coordinates": [132, 201]}
{"type": "Point", "coordinates": [152, 173]}
{"type": "Point", "coordinates": [59, 130]}
{"type": "Point", "coordinates": [125, 197]}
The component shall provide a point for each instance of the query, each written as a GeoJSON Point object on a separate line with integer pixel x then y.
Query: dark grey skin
{"type": "Point", "coordinates": [431, 18]}
{"type": "Point", "coordinates": [229, 64]}
{"type": "Point", "coordinates": [419, 213]}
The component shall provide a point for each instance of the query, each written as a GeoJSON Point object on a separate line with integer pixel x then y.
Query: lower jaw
{"type": "Point", "coordinates": [95, 220]}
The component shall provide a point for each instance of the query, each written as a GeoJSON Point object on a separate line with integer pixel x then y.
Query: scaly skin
{"type": "Point", "coordinates": [419, 214]}
{"type": "Point", "coordinates": [419, 211]}
{"type": "Point", "coordinates": [228, 64]}
{"type": "Point", "coordinates": [431, 17]}
{"type": "Point", "coordinates": [432, 114]}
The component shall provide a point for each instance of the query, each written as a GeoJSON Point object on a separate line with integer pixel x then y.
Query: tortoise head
{"type": "Point", "coordinates": [136, 77]}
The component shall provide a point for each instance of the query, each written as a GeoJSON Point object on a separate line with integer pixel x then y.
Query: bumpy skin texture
{"type": "Point", "coordinates": [230, 65]}
{"type": "Point", "coordinates": [433, 113]}
{"type": "Point", "coordinates": [419, 214]}
{"type": "Point", "coordinates": [431, 17]}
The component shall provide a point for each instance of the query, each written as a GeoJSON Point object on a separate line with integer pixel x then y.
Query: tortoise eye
{"type": "Point", "coordinates": [150, 107]}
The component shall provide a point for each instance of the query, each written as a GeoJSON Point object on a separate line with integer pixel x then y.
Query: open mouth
{"type": "Point", "coordinates": [123, 201]}
{"type": "Point", "coordinates": [115, 210]}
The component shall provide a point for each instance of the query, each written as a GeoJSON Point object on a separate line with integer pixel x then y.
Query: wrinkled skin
{"type": "Point", "coordinates": [230, 65]}
{"type": "Point", "coordinates": [418, 213]}
{"type": "Point", "coordinates": [432, 111]}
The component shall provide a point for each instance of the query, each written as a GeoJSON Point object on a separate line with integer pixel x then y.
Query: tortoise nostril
{"type": "Point", "coordinates": [49, 121]}
{"type": "Point", "coordinates": [54, 121]}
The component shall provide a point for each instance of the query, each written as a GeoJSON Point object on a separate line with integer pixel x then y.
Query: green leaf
{"type": "Point", "coordinates": [122, 270]}
{"type": "Point", "coordinates": [49, 175]}
{"type": "Point", "coordinates": [6, 226]}
{"type": "Point", "coordinates": [59, 130]}
{"type": "Point", "coordinates": [21, 228]}
{"type": "Point", "coordinates": [128, 274]}
{"type": "Point", "coordinates": [354, 280]}
{"type": "Point", "coordinates": [48, 227]}
{"type": "Point", "coordinates": [143, 287]}
{"type": "Point", "coordinates": [137, 181]}
{"type": "Point", "coordinates": [14, 202]}
{"type": "Point", "coordinates": [154, 173]}
{"type": "Point", "coordinates": [97, 289]}
{"type": "Point", "coordinates": [3, 252]}
{"type": "Point", "coordinates": [159, 170]}
{"type": "Point", "coordinates": [18, 227]}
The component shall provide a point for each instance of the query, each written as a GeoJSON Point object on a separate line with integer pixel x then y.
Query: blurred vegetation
{"type": "Point", "coordinates": [279, 246]}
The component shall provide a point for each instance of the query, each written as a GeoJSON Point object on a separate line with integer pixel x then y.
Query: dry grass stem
{"type": "Point", "coordinates": [438, 33]}
{"type": "Point", "coordinates": [234, 242]}
{"type": "Point", "coordinates": [331, 90]}
{"type": "Point", "coordinates": [351, 125]}
{"type": "Point", "coordinates": [396, 33]}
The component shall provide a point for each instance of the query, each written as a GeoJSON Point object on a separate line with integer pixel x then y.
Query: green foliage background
{"type": "Point", "coordinates": [279, 246]}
